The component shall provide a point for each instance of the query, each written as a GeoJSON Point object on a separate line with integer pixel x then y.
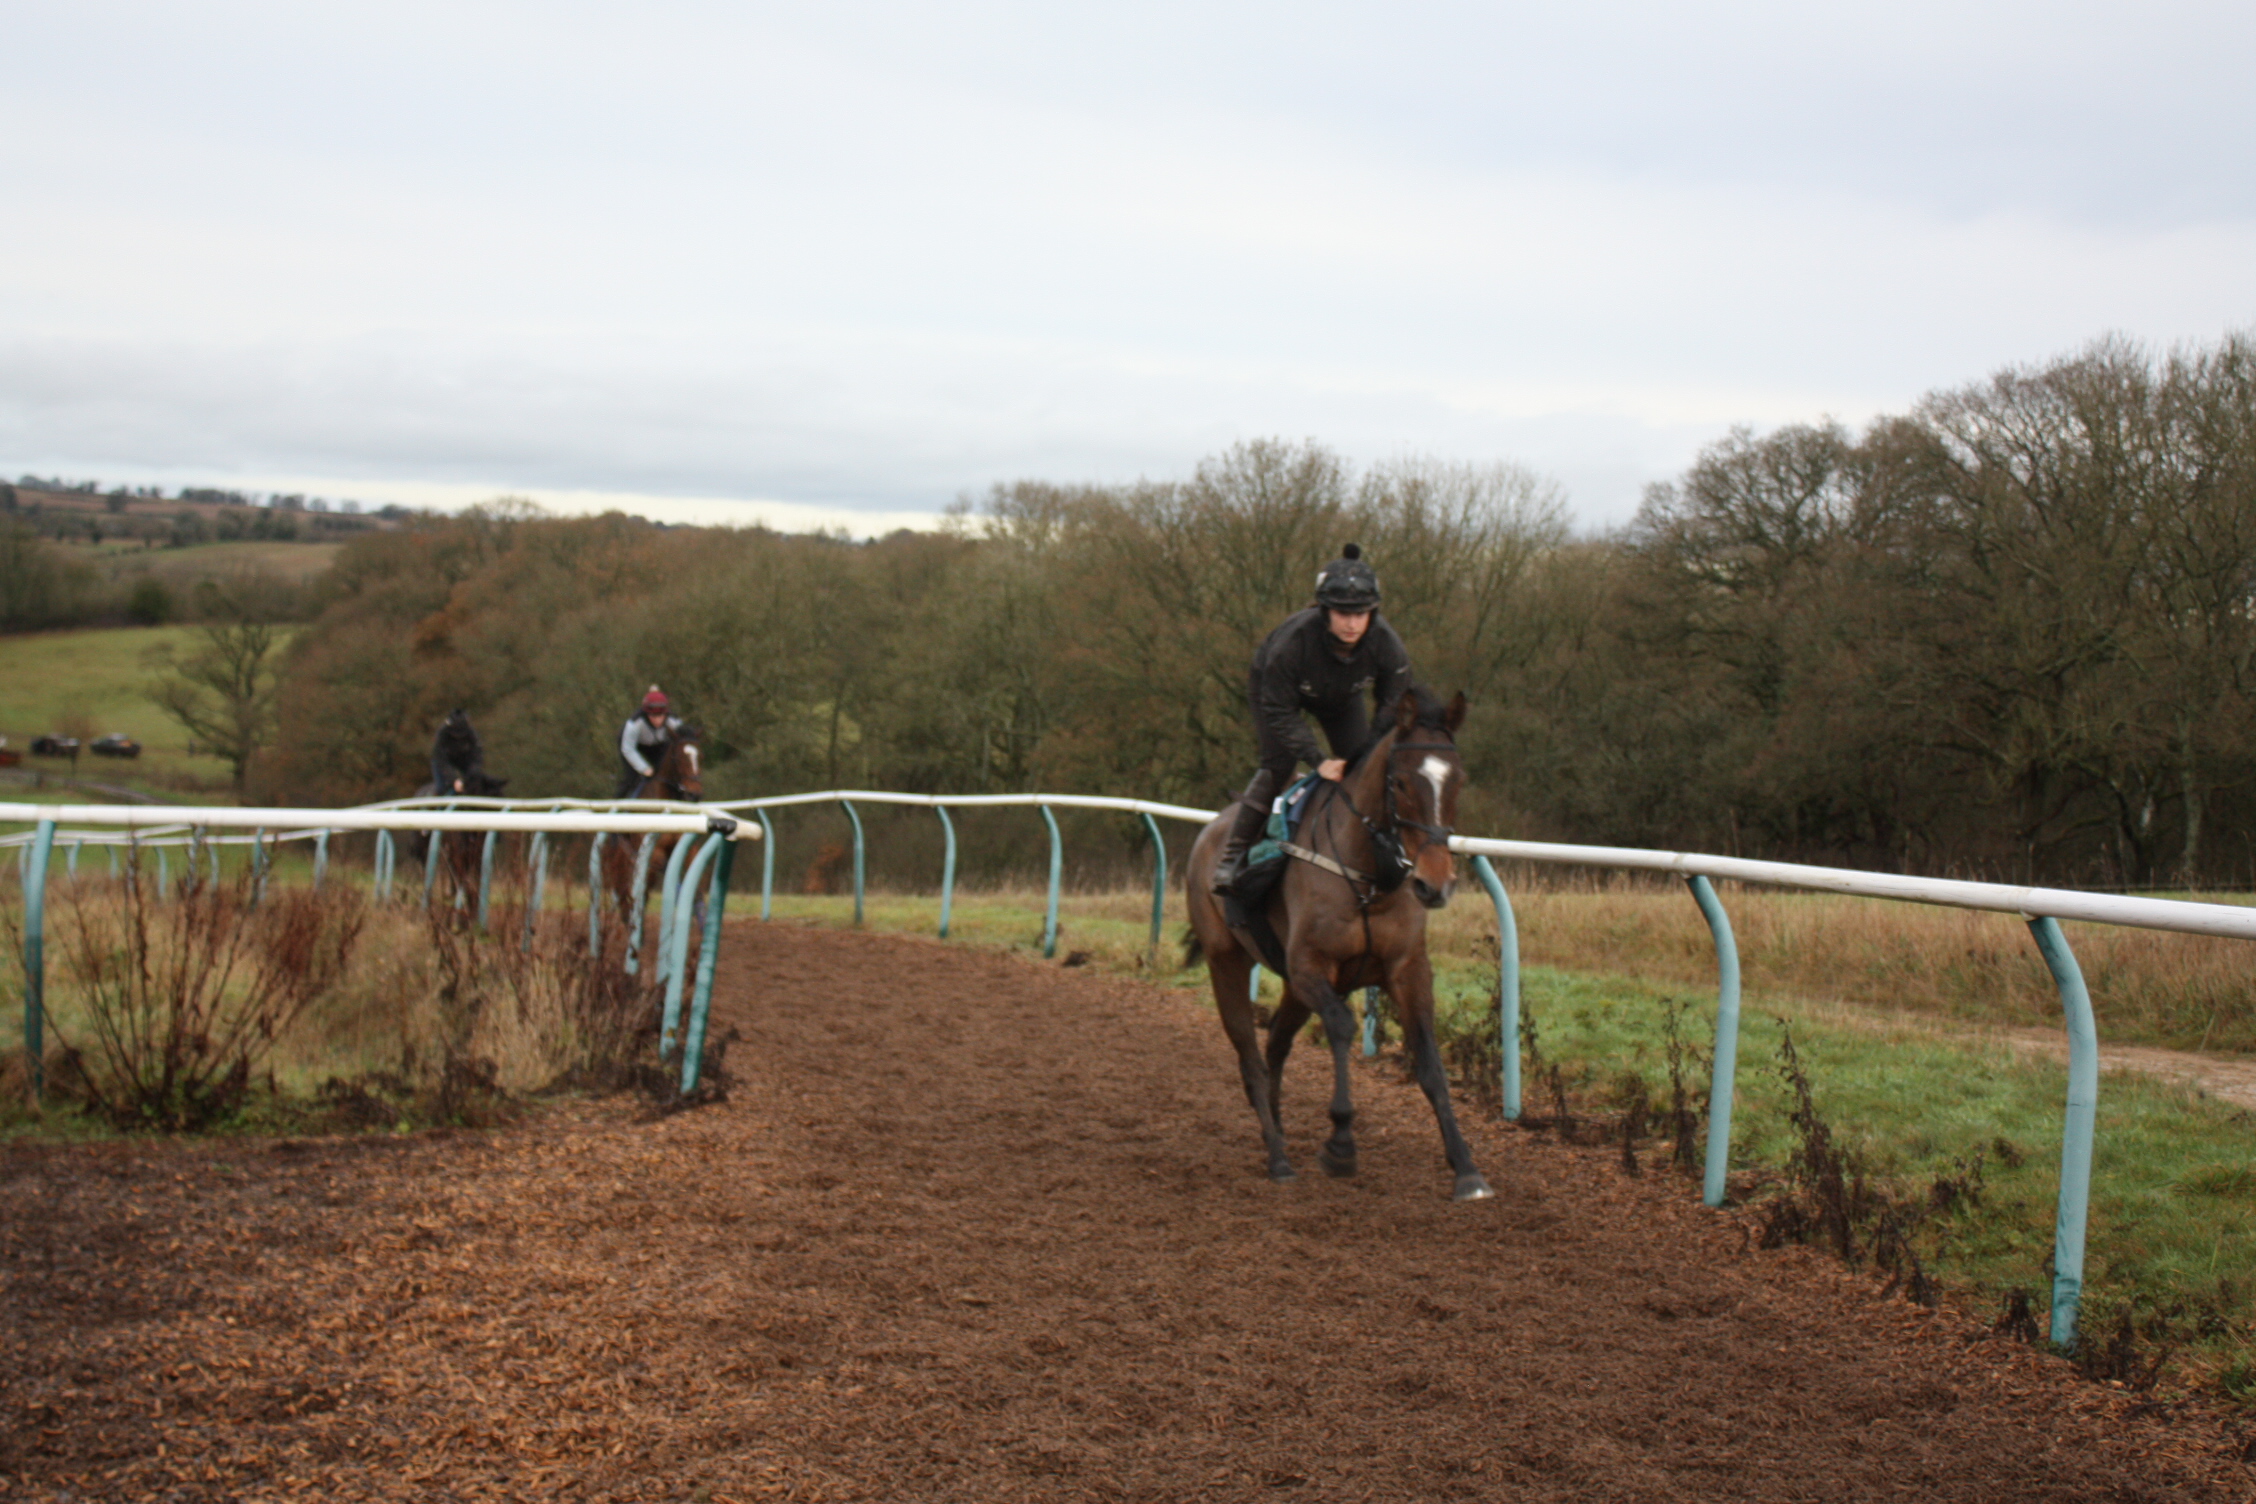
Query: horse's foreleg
{"type": "Point", "coordinates": [1231, 973]}
{"type": "Point", "coordinates": [1318, 993]}
{"type": "Point", "coordinates": [1412, 990]}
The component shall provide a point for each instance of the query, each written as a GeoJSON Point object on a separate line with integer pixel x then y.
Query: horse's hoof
{"type": "Point", "coordinates": [1338, 1166]}
{"type": "Point", "coordinates": [1471, 1186]}
{"type": "Point", "coordinates": [1281, 1173]}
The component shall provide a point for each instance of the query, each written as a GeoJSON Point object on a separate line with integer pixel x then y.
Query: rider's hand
{"type": "Point", "coordinates": [1332, 769]}
{"type": "Point", "coordinates": [458, 785]}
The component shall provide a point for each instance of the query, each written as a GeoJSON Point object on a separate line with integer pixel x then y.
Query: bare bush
{"type": "Point", "coordinates": [183, 1001]}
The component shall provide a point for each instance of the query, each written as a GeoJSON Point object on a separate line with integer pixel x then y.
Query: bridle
{"type": "Point", "coordinates": [672, 780]}
{"type": "Point", "coordinates": [1393, 862]}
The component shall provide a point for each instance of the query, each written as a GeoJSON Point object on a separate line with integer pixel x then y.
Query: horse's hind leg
{"type": "Point", "coordinates": [1339, 1158]}
{"type": "Point", "coordinates": [1231, 974]}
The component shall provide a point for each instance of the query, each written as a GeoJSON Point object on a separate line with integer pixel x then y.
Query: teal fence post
{"type": "Point", "coordinates": [1370, 1022]}
{"type": "Point", "coordinates": [320, 858]}
{"type": "Point", "coordinates": [638, 900]}
{"type": "Point", "coordinates": [673, 941]}
{"type": "Point", "coordinates": [669, 893]}
{"type": "Point", "coordinates": [485, 878]}
{"type": "Point", "coordinates": [536, 857]}
{"type": "Point", "coordinates": [1726, 1042]}
{"type": "Point", "coordinates": [2077, 1129]}
{"type": "Point", "coordinates": [860, 871]}
{"type": "Point", "coordinates": [35, 957]}
{"type": "Point", "coordinates": [1159, 884]}
{"type": "Point", "coordinates": [595, 896]}
{"type": "Point", "coordinates": [701, 1003]}
{"type": "Point", "coordinates": [211, 850]}
{"type": "Point", "coordinates": [767, 861]}
{"type": "Point", "coordinates": [386, 855]}
{"type": "Point", "coordinates": [1057, 869]}
{"type": "Point", "coordinates": [260, 857]}
{"type": "Point", "coordinates": [111, 849]}
{"type": "Point", "coordinates": [432, 853]}
{"type": "Point", "coordinates": [164, 876]}
{"type": "Point", "coordinates": [947, 869]}
{"type": "Point", "coordinates": [70, 860]}
{"type": "Point", "coordinates": [1507, 983]}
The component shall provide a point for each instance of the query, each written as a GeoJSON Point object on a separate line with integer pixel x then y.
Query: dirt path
{"type": "Point", "coordinates": [975, 1229]}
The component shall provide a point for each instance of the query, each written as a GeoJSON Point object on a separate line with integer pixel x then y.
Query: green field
{"type": "Point", "coordinates": [123, 559]}
{"type": "Point", "coordinates": [94, 681]}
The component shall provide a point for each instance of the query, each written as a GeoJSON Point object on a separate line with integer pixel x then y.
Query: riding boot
{"type": "Point", "coordinates": [1251, 813]}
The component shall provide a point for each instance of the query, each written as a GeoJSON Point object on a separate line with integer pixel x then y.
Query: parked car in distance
{"type": "Point", "coordinates": [116, 744]}
{"type": "Point", "coordinates": [54, 746]}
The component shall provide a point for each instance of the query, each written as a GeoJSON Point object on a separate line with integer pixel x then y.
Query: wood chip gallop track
{"type": "Point", "coordinates": [974, 1228]}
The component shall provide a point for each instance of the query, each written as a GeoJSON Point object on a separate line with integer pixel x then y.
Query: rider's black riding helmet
{"type": "Point", "coordinates": [1347, 583]}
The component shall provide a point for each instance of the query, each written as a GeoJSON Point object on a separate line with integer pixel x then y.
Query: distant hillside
{"type": "Point", "coordinates": [85, 514]}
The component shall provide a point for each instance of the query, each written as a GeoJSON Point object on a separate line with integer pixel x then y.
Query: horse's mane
{"type": "Point", "coordinates": [1433, 715]}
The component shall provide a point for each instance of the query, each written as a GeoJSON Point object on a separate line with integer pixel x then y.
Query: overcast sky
{"type": "Point", "coordinates": [842, 263]}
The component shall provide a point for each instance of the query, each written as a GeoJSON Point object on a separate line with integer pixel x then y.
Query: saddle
{"type": "Point", "coordinates": [1247, 910]}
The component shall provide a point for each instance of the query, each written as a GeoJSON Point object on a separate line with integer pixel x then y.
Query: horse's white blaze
{"type": "Point", "coordinates": [691, 754]}
{"type": "Point", "coordinates": [1436, 772]}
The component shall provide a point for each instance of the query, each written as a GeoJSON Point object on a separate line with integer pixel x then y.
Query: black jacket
{"type": "Point", "coordinates": [455, 753]}
{"type": "Point", "coordinates": [1300, 668]}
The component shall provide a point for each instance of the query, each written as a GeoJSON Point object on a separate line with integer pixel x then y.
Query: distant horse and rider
{"type": "Point", "coordinates": [1367, 862]}
{"type": "Point", "coordinates": [457, 768]}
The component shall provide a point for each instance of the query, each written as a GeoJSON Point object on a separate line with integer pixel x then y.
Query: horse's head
{"type": "Point", "coordinates": [681, 771]}
{"type": "Point", "coordinates": [484, 785]}
{"type": "Point", "coordinates": [1424, 775]}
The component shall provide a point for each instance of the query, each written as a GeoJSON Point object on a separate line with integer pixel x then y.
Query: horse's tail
{"type": "Point", "coordinates": [1194, 950]}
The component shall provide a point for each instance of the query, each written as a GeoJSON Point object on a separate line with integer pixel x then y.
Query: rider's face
{"type": "Point", "coordinates": [656, 715]}
{"type": "Point", "coordinates": [1349, 626]}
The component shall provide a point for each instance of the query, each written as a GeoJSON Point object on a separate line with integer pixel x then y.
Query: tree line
{"type": "Point", "coordinates": [2006, 633]}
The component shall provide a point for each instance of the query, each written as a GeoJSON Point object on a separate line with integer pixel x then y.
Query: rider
{"type": "Point", "coordinates": [1320, 661]}
{"type": "Point", "coordinates": [650, 726]}
{"type": "Point", "coordinates": [457, 760]}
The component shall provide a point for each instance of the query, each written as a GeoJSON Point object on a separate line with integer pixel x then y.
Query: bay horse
{"type": "Point", "coordinates": [677, 774]}
{"type": "Point", "coordinates": [1369, 860]}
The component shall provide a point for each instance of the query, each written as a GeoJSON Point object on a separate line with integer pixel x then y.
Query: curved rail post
{"type": "Point", "coordinates": [669, 895]}
{"type": "Point", "coordinates": [485, 878]}
{"type": "Point", "coordinates": [1507, 984]}
{"type": "Point", "coordinates": [112, 851]}
{"type": "Point", "coordinates": [1057, 869]}
{"type": "Point", "coordinates": [536, 857]}
{"type": "Point", "coordinates": [261, 859]}
{"type": "Point", "coordinates": [767, 862]}
{"type": "Point", "coordinates": [35, 956]}
{"type": "Point", "coordinates": [164, 876]}
{"type": "Point", "coordinates": [1370, 1022]}
{"type": "Point", "coordinates": [70, 860]}
{"type": "Point", "coordinates": [2076, 1129]}
{"type": "Point", "coordinates": [387, 856]}
{"type": "Point", "coordinates": [673, 942]}
{"type": "Point", "coordinates": [595, 897]}
{"type": "Point", "coordinates": [859, 871]}
{"type": "Point", "coordinates": [947, 869]}
{"type": "Point", "coordinates": [211, 850]}
{"type": "Point", "coordinates": [701, 1002]}
{"type": "Point", "coordinates": [638, 900]}
{"type": "Point", "coordinates": [320, 858]}
{"type": "Point", "coordinates": [432, 854]}
{"type": "Point", "coordinates": [1726, 1041]}
{"type": "Point", "coordinates": [1159, 884]}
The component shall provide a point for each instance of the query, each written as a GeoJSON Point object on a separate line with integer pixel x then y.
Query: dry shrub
{"type": "Point", "coordinates": [182, 1002]}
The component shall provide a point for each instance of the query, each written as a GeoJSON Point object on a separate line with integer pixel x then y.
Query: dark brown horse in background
{"type": "Point", "coordinates": [1372, 858]}
{"type": "Point", "coordinates": [461, 852]}
{"type": "Point", "coordinates": [677, 774]}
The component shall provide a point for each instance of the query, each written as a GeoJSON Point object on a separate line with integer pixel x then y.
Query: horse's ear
{"type": "Point", "coordinates": [1455, 715]}
{"type": "Point", "coordinates": [1406, 711]}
